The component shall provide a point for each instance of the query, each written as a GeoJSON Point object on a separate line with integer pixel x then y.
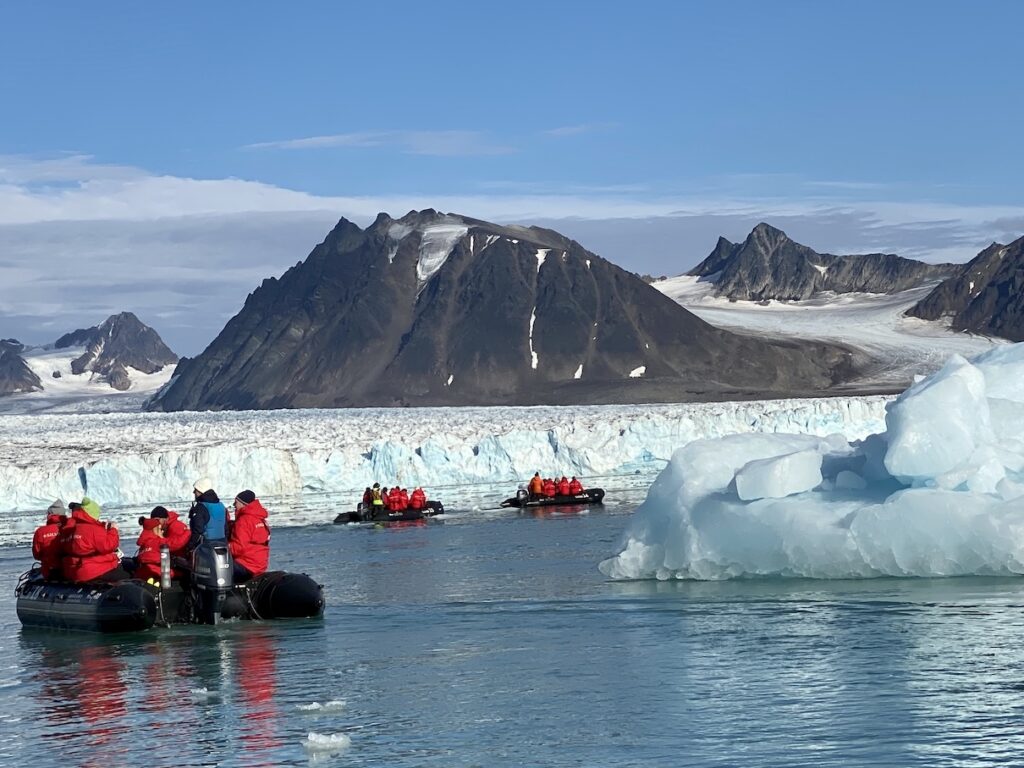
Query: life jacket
{"type": "Point", "coordinates": [46, 545]}
{"type": "Point", "coordinates": [217, 528]}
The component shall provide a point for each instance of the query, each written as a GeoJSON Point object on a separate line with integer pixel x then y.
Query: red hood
{"type": "Point", "coordinates": [56, 519]}
{"type": "Point", "coordinates": [255, 509]}
{"type": "Point", "coordinates": [81, 516]}
{"type": "Point", "coordinates": [171, 515]}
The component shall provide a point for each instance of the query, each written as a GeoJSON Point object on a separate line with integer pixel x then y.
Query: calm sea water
{"type": "Point", "coordinates": [496, 642]}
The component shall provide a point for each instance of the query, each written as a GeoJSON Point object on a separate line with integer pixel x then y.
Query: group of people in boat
{"type": "Point", "coordinates": [75, 545]}
{"type": "Point", "coordinates": [549, 487]}
{"type": "Point", "coordinates": [394, 500]}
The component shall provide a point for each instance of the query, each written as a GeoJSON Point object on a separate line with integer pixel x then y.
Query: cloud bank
{"type": "Point", "coordinates": [80, 240]}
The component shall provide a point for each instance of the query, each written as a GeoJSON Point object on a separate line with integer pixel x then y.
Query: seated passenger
{"type": "Point", "coordinates": [395, 499]}
{"type": "Point", "coordinates": [536, 487]}
{"type": "Point", "coordinates": [368, 496]}
{"type": "Point", "coordinates": [176, 534]}
{"type": "Point", "coordinates": [378, 497]}
{"type": "Point", "coordinates": [563, 486]}
{"type": "Point", "coordinates": [575, 487]}
{"type": "Point", "coordinates": [250, 538]}
{"type": "Point", "coordinates": [89, 548]}
{"type": "Point", "coordinates": [403, 495]}
{"type": "Point", "coordinates": [46, 541]}
{"type": "Point", "coordinates": [418, 500]}
{"type": "Point", "coordinates": [147, 561]}
{"type": "Point", "coordinates": [385, 498]}
{"type": "Point", "coordinates": [549, 490]}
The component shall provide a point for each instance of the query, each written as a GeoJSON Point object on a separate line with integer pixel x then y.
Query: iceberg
{"type": "Point", "coordinates": [939, 492]}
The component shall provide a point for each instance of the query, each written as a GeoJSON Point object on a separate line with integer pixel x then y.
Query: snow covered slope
{"type": "Point", "coordinates": [141, 458]}
{"type": "Point", "coordinates": [79, 393]}
{"type": "Point", "coordinates": [893, 348]}
{"type": "Point", "coordinates": [939, 493]}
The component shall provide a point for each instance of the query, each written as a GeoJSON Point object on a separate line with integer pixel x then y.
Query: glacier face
{"type": "Point", "coordinates": [142, 458]}
{"type": "Point", "coordinates": [939, 493]}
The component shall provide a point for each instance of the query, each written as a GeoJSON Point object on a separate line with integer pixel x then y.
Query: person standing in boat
{"type": "Point", "coordinates": [46, 541]}
{"type": "Point", "coordinates": [250, 538]}
{"type": "Point", "coordinates": [208, 517]}
{"type": "Point", "coordinates": [536, 487]}
{"type": "Point", "coordinates": [89, 546]}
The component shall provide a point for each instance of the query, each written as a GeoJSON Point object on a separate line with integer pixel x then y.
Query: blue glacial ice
{"type": "Point", "coordinates": [939, 493]}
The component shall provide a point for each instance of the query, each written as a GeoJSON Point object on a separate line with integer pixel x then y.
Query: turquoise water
{"type": "Point", "coordinates": [496, 642]}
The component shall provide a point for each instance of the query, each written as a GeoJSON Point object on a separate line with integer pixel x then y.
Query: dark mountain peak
{"type": "Point", "coordinates": [120, 342]}
{"type": "Point", "coordinates": [768, 264]}
{"type": "Point", "coordinates": [986, 296]}
{"type": "Point", "coordinates": [15, 375]}
{"type": "Point", "coordinates": [442, 309]}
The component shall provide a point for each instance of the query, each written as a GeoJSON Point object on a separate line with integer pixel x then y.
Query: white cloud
{"type": "Point", "coordinates": [563, 131]}
{"type": "Point", "coordinates": [437, 143]}
{"type": "Point", "coordinates": [80, 241]}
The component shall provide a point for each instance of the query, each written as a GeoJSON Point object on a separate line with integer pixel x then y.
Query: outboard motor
{"type": "Point", "coordinates": [522, 497]}
{"type": "Point", "coordinates": [212, 580]}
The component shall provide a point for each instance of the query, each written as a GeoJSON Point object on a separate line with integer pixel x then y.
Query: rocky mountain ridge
{"type": "Point", "coordinates": [769, 265]}
{"type": "Point", "coordinates": [986, 297]}
{"type": "Point", "coordinates": [15, 375]}
{"type": "Point", "coordinates": [441, 309]}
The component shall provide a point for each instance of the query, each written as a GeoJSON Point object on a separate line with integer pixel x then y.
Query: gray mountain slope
{"type": "Point", "coordinates": [437, 309]}
{"type": "Point", "coordinates": [769, 265]}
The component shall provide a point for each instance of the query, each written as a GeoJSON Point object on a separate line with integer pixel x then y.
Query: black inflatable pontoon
{"type": "Point", "coordinates": [365, 513]}
{"type": "Point", "coordinates": [522, 499]}
{"type": "Point", "coordinates": [129, 606]}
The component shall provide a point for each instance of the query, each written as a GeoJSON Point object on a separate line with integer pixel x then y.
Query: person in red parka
{"type": "Point", "coordinates": [418, 500]}
{"type": "Point", "coordinates": [250, 538]}
{"type": "Point", "coordinates": [563, 486]}
{"type": "Point", "coordinates": [46, 541]}
{"type": "Point", "coordinates": [148, 558]}
{"type": "Point", "coordinates": [175, 532]}
{"type": "Point", "coordinates": [386, 498]}
{"type": "Point", "coordinates": [89, 548]}
{"type": "Point", "coordinates": [395, 499]}
{"type": "Point", "coordinates": [549, 489]}
{"type": "Point", "coordinates": [575, 487]}
{"type": "Point", "coordinates": [404, 496]}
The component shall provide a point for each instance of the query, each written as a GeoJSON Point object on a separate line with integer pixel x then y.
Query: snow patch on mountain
{"type": "Point", "coordinates": [436, 244]}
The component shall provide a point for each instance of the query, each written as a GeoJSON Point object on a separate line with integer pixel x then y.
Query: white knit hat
{"type": "Point", "coordinates": [203, 484]}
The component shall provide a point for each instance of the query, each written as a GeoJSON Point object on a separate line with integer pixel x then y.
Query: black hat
{"type": "Point", "coordinates": [159, 512]}
{"type": "Point", "coordinates": [246, 497]}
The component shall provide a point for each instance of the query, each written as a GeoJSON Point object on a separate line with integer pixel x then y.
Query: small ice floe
{"type": "Point", "coordinates": [326, 742]}
{"type": "Point", "coordinates": [335, 705]}
{"type": "Point", "coordinates": [202, 693]}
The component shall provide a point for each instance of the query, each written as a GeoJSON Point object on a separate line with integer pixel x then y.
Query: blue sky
{"type": "Point", "coordinates": [865, 125]}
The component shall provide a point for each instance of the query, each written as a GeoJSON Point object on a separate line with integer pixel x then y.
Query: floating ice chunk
{"type": "Point", "coordinates": [327, 742]}
{"type": "Point", "coordinates": [579, 372]}
{"type": "Point", "coordinates": [636, 373]}
{"type": "Point", "coordinates": [778, 477]}
{"type": "Point", "coordinates": [335, 705]}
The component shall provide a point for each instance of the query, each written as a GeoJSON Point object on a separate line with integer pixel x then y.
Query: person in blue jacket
{"type": "Point", "coordinates": [207, 518]}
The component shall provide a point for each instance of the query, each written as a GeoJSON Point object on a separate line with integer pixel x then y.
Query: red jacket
{"type": "Point", "coordinates": [46, 545]}
{"type": "Point", "coordinates": [176, 535]}
{"type": "Point", "coordinates": [149, 550]}
{"type": "Point", "coordinates": [403, 496]}
{"type": "Point", "coordinates": [575, 487]}
{"type": "Point", "coordinates": [563, 487]}
{"type": "Point", "coordinates": [418, 500]}
{"type": "Point", "coordinates": [250, 538]}
{"type": "Point", "coordinates": [89, 548]}
{"type": "Point", "coordinates": [549, 488]}
{"type": "Point", "coordinates": [395, 500]}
